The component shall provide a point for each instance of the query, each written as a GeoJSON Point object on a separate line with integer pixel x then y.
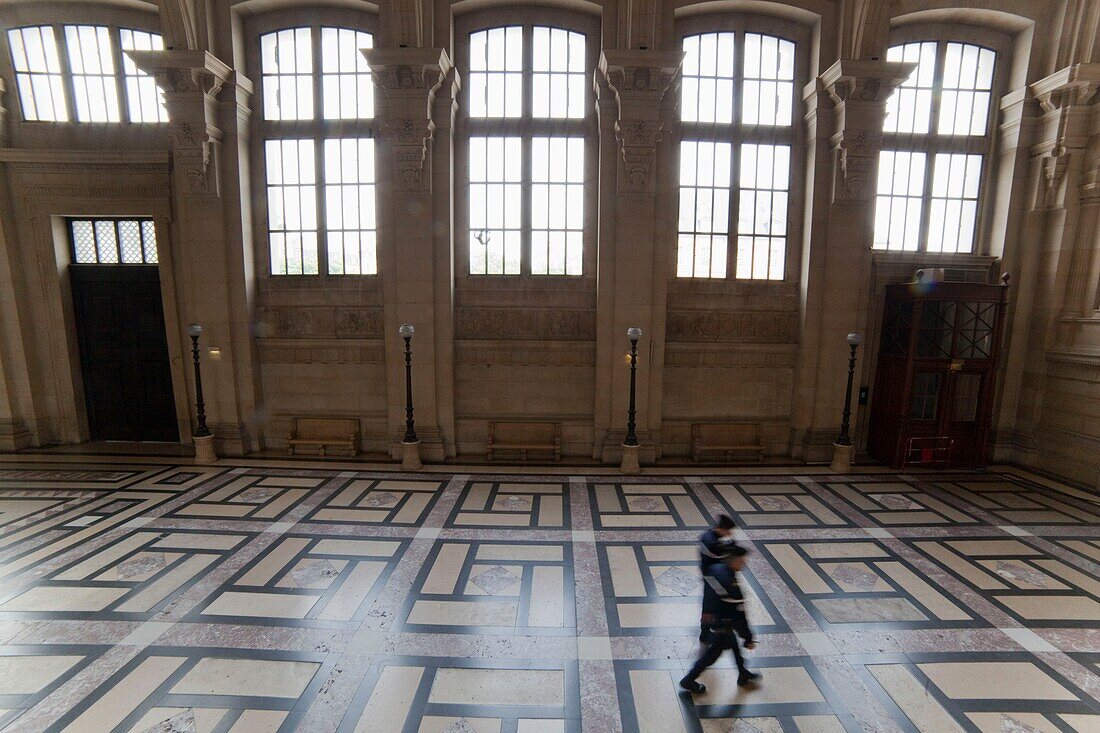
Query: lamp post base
{"type": "Point", "coordinates": [204, 449]}
{"type": "Point", "coordinates": [842, 458]}
{"type": "Point", "coordinates": [410, 456]}
{"type": "Point", "coordinates": [630, 462]}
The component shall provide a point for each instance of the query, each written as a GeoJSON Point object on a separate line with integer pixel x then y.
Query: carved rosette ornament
{"type": "Point", "coordinates": [408, 79]}
{"type": "Point", "coordinates": [859, 90]}
{"type": "Point", "coordinates": [639, 80]}
{"type": "Point", "coordinates": [191, 81]}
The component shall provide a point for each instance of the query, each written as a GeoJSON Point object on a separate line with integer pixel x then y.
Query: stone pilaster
{"type": "Point", "coordinates": [837, 266]}
{"type": "Point", "coordinates": [210, 250]}
{"type": "Point", "coordinates": [408, 80]}
{"type": "Point", "coordinates": [634, 272]}
{"type": "Point", "coordinates": [5, 135]}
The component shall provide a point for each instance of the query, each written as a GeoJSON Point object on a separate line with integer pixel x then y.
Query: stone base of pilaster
{"type": "Point", "coordinates": [612, 450]}
{"type": "Point", "coordinates": [232, 439]}
{"type": "Point", "coordinates": [817, 446]}
{"type": "Point", "coordinates": [432, 448]}
{"type": "Point", "coordinates": [14, 436]}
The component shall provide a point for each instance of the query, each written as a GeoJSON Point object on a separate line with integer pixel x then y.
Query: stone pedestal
{"type": "Point", "coordinates": [842, 458]}
{"type": "Point", "coordinates": [410, 457]}
{"type": "Point", "coordinates": [204, 449]}
{"type": "Point", "coordinates": [630, 462]}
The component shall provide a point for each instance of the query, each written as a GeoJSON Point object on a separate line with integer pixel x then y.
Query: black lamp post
{"type": "Point", "coordinates": [406, 331]}
{"type": "Point", "coordinates": [194, 330]}
{"type": "Point", "coordinates": [854, 340]}
{"type": "Point", "coordinates": [633, 334]}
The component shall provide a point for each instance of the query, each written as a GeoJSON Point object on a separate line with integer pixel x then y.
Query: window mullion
{"type": "Point", "coordinates": [120, 75]}
{"type": "Point", "coordinates": [732, 233]}
{"type": "Point", "coordinates": [66, 71]}
{"type": "Point", "coordinates": [318, 137]}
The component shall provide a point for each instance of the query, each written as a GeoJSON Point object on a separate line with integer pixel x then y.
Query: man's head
{"type": "Point", "coordinates": [725, 525]}
{"type": "Point", "coordinates": [735, 557]}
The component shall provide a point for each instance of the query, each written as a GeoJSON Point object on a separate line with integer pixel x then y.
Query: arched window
{"type": "Point", "coordinates": [318, 105]}
{"type": "Point", "coordinates": [736, 118]}
{"type": "Point", "coordinates": [79, 72]}
{"type": "Point", "coordinates": [936, 138]}
{"type": "Point", "coordinates": [526, 118]}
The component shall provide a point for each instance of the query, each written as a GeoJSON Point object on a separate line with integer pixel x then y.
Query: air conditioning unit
{"type": "Point", "coordinates": [951, 275]}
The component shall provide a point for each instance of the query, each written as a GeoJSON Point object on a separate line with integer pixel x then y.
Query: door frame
{"type": "Point", "coordinates": [53, 228]}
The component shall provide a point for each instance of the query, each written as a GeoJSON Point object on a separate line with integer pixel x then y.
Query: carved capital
{"type": "Point", "coordinates": [639, 81]}
{"type": "Point", "coordinates": [857, 158]}
{"type": "Point", "coordinates": [1073, 86]}
{"type": "Point", "coordinates": [870, 82]}
{"type": "Point", "coordinates": [408, 79]}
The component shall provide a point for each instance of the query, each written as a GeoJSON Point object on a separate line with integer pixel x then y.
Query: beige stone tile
{"type": "Point", "coordinates": [151, 595]}
{"type": "Point", "coordinates": [984, 548]}
{"type": "Point", "coordinates": [259, 721]}
{"type": "Point", "coordinates": [839, 550]}
{"type": "Point", "coordinates": [199, 541]}
{"type": "Point", "coordinates": [736, 725]}
{"type": "Point", "coordinates": [922, 709]}
{"type": "Point", "coordinates": [346, 601]}
{"type": "Point", "coordinates": [994, 681]}
{"type": "Point", "coordinates": [414, 506]}
{"type": "Point", "coordinates": [395, 485]}
{"type": "Point", "coordinates": [444, 573]}
{"type": "Point", "coordinates": [26, 675]}
{"type": "Point", "coordinates": [461, 686]}
{"type": "Point", "coordinates": [659, 615]}
{"type": "Point", "coordinates": [285, 500]}
{"type": "Point", "coordinates": [390, 701]}
{"type": "Point", "coordinates": [248, 677]}
{"type": "Point", "coordinates": [116, 703]}
{"type": "Point", "coordinates": [1001, 722]}
{"type": "Point", "coordinates": [689, 513]}
{"type": "Point", "coordinates": [215, 510]}
{"type": "Point", "coordinates": [309, 483]}
{"type": "Point", "coordinates": [206, 719]}
{"type": "Point", "coordinates": [928, 596]}
{"type": "Point", "coordinates": [738, 502]}
{"type": "Point", "coordinates": [626, 576]}
{"type": "Point", "coordinates": [630, 489]}
{"type": "Point", "coordinates": [438, 724]}
{"type": "Point", "coordinates": [53, 598]}
{"type": "Point", "coordinates": [477, 497]}
{"type": "Point", "coordinates": [962, 567]}
{"type": "Point", "coordinates": [868, 610]}
{"type": "Point", "coordinates": [464, 613]}
{"type": "Point", "coordinates": [777, 520]}
{"type": "Point", "coordinates": [1022, 574]}
{"type": "Point", "coordinates": [1053, 608]}
{"type": "Point", "coordinates": [261, 605]}
{"type": "Point", "coordinates": [495, 520]}
{"type": "Point", "coordinates": [513, 503]}
{"type": "Point", "coordinates": [1082, 723]}
{"type": "Point", "coordinates": [274, 561]}
{"type": "Point", "coordinates": [312, 573]}
{"type": "Point", "coordinates": [1081, 580]}
{"type": "Point", "coordinates": [909, 517]}
{"type": "Point", "coordinates": [670, 553]}
{"type": "Point", "coordinates": [607, 499]}
{"type": "Point", "coordinates": [780, 685]}
{"type": "Point", "coordinates": [547, 598]}
{"type": "Point", "coordinates": [520, 552]}
{"type": "Point", "coordinates": [855, 577]}
{"type": "Point", "coordinates": [359, 548]}
{"type": "Point", "coordinates": [102, 559]}
{"type": "Point", "coordinates": [656, 704]}
{"type": "Point", "coordinates": [799, 570]}
{"type": "Point", "coordinates": [819, 510]}
{"type": "Point", "coordinates": [550, 511]}
{"type": "Point", "coordinates": [531, 488]}
{"type": "Point", "coordinates": [1087, 549]}
{"type": "Point", "coordinates": [352, 515]}
{"type": "Point", "coordinates": [637, 520]}
{"type": "Point", "coordinates": [529, 725]}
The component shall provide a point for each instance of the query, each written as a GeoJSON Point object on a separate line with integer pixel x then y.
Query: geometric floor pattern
{"type": "Point", "coordinates": [148, 596]}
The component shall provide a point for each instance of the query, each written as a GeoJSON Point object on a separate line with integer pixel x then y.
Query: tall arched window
{"type": "Point", "coordinates": [79, 73]}
{"type": "Point", "coordinates": [318, 106]}
{"type": "Point", "coordinates": [936, 138]}
{"type": "Point", "coordinates": [526, 118]}
{"type": "Point", "coordinates": [736, 129]}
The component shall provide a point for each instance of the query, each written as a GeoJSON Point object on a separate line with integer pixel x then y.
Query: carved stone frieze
{"type": "Point", "coordinates": [743, 327]}
{"type": "Point", "coordinates": [639, 81]}
{"type": "Point", "coordinates": [321, 351]}
{"type": "Point", "coordinates": [320, 322]}
{"type": "Point", "coordinates": [408, 79]}
{"type": "Point", "coordinates": [525, 323]}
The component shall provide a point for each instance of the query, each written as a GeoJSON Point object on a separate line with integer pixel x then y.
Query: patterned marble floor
{"type": "Point", "coordinates": [151, 597]}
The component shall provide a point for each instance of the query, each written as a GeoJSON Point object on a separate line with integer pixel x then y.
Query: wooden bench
{"type": "Point", "coordinates": [523, 437]}
{"type": "Point", "coordinates": [317, 435]}
{"type": "Point", "coordinates": [725, 439]}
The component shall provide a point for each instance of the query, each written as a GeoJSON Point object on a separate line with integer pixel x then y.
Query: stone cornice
{"type": "Point", "coordinates": [858, 80]}
{"type": "Point", "coordinates": [89, 158]}
{"type": "Point", "coordinates": [1070, 87]}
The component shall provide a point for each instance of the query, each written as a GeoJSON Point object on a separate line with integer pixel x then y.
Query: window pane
{"type": "Point", "coordinates": [345, 75]}
{"type": "Point", "coordinates": [704, 209]}
{"type": "Point", "coordinates": [143, 96]}
{"type": "Point", "coordinates": [292, 206]}
{"type": "Point", "coordinates": [762, 212]}
{"type": "Point", "coordinates": [495, 221]}
{"type": "Point", "coordinates": [92, 61]}
{"type": "Point", "coordinates": [558, 60]}
{"type": "Point", "coordinates": [496, 78]}
{"type": "Point", "coordinates": [967, 81]}
{"type": "Point", "coordinates": [954, 204]}
{"type": "Point", "coordinates": [350, 215]}
{"type": "Point", "coordinates": [113, 241]}
{"type": "Point", "coordinates": [898, 205]}
{"type": "Point", "coordinates": [909, 108]}
{"type": "Point", "coordinates": [286, 70]}
{"type": "Point", "coordinates": [707, 66]}
{"type": "Point", "coordinates": [38, 74]}
{"type": "Point", "coordinates": [557, 205]}
{"type": "Point", "coordinates": [769, 81]}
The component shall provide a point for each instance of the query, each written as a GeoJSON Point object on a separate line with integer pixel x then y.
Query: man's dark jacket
{"type": "Point", "coordinates": [723, 602]}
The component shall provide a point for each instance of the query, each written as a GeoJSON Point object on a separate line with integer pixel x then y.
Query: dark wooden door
{"type": "Point", "coordinates": [124, 352]}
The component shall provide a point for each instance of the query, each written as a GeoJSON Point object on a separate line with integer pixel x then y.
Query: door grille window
{"type": "Point", "coordinates": [113, 241]}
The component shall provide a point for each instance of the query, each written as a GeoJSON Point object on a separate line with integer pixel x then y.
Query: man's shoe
{"type": "Point", "coordinates": [747, 678]}
{"type": "Point", "coordinates": [705, 636]}
{"type": "Point", "coordinates": [696, 688]}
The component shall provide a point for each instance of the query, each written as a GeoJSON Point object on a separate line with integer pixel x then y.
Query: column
{"type": "Point", "coordinates": [837, 258]}
{"type": "Point", "coordinates": [412, 256]}
{"type": "Point", "coordinates": [211, 253]}
{"type": "Point", "coordinates": [633, 266]}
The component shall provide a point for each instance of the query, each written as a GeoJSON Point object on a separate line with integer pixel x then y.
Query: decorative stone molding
{"type": "Point", "coordinates": [859, 90]}
{"type": "Point", "coordinates": [711, 326]}
{"type": "Point", "coordinates": [525, 323]}
{"type": "Point", "coordinates": [408, 79]}
{"type": "Point", "coordinates": [639, 80]}
{"type": "Point", "coordinates": [191, 81]}
{"type": "Point", "coordinates": [320, 322]}
{"type": "Point", "coordinates": [526, 353]}
{"type": "Point", "coordinates": [321, 351]}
